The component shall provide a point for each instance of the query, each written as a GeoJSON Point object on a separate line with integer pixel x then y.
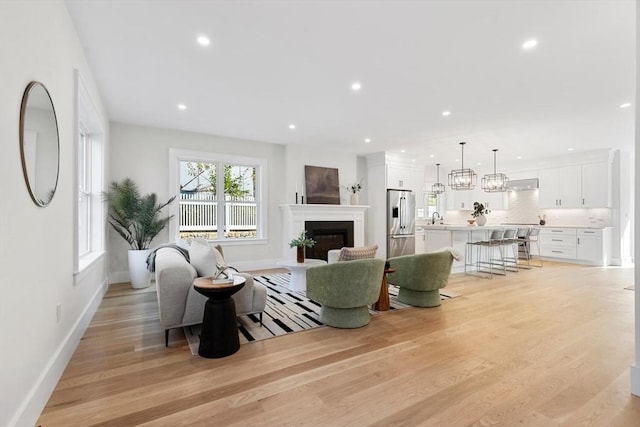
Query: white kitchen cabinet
{"type": "Point", "coordinates": [399, 177]}
{"type": "Point", "coordinates": [560, 187]}
{"type": "Point", "coordinates": [491, 201]}
{"type": "Point", "coordinates": [589, 246]}
{"type": "Point", "coordinates": [583, 245]}
{"type": "Point", "coordinates": [596, 185]}
{"type": "Point", "coordinates": [459, 200]}
{"type": "Point", "coordinates": [558, 242]}
{"type": "Point", "coordinates": [463, 200]}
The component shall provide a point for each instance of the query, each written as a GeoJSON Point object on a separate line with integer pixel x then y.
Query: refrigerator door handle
{"type": "Point", "coordinates": [403, 236]}
{"type": "Point", "coordinates": [401, 213]}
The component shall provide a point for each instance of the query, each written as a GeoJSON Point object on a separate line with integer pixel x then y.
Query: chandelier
{"type": "Point", "coordinates": [438, 187]}
{"type": "Point", "coordinates": [494, 182]}
{"type": "Point", "coordinates": [462, 179]}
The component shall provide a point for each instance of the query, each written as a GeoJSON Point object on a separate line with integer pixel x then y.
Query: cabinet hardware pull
{"type": "Point", "coordinates": [557, 240]}
{"type": "Point", "coordinates": [557, 252]}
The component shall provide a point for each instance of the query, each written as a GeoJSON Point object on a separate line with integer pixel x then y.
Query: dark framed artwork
{"type": "Point", "coordinates": [322, 185]}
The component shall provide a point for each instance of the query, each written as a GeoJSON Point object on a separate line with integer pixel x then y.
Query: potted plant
{"type": "Point", "coordinates": [479, 213]}
{"type": "Point", "coordinates": [354, 190]}
{"type": "Point", "coordinates": [137, 220]}
{"type": "Point", "coordinates": [301, 242]}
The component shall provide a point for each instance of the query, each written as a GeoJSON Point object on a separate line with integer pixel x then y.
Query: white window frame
{"type": "Point", "coordinates": [261, 197]}
{"type": "Point", "coordinates": [88, 124]}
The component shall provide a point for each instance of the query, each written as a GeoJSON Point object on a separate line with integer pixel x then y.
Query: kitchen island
{"type": "Point", "coordinates": [579, 244]}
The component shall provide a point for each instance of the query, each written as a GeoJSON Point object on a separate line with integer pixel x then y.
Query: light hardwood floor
{"type": "Point", "coordinates": [544, 347]}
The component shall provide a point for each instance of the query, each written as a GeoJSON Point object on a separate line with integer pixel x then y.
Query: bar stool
{"type": "Point", "coordinates": [532, 237]}
{"type": "Point", "coordinates": [484, 260]}
{"type": "Point", "coordinates": [521, 247]}
{"type": "Point", "coordinates": [509, 241]}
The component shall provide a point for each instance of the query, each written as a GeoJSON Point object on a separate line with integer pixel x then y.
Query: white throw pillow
{"type": "Point", "coordinates": [203, 258]}
{"type": "Point", "coordinates": [207, 260]}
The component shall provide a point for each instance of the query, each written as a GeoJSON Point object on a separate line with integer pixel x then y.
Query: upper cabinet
{"type": "Point", "coordinates": [596, 185]}
{"type": "Point", "coordinates": [578, 186]}
{"type": "Point", "coordinates": [459, 200]}
{"type": "Point", "coordinates": [399, 177]}
{"type": "Point", "coordinates": [462, 200]}
{"type": "Point", "coordinates": [560, 187]}
{"type": "Point", "coordinates": [407, 176]}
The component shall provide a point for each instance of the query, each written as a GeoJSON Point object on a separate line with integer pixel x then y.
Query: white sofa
{"type": "Point", "coordinates": [180, 305]}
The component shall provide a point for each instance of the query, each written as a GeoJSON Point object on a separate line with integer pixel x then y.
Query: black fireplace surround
{"type": "Point", "coordinates": [328, 235]}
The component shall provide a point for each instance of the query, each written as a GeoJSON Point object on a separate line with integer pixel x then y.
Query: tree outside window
{"type": "Point", "coordinates": [201, 210]}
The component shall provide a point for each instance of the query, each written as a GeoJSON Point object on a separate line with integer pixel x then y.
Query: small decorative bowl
{"type": "Point", "coordinates": [471, 221]}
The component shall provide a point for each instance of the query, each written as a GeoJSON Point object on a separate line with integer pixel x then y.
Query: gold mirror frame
{"type": "Point", "coordinates": [39, 143]}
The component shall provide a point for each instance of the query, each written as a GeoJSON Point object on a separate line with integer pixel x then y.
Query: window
{"type": "Point", "coordinates": [90, 182]}
{"type": "Point", "coordinates": [220, 197]}
{"type": "Point", "coordinates": [432, 204]}
{"type": "Point", "coordinates": [84, 194]}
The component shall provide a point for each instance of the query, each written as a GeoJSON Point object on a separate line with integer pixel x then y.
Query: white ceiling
{"type": "Point", "coordinates": [272, 63]}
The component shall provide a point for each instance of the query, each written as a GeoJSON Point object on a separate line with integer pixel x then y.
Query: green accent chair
{"type": "Point", "coordinates": [344, 290]}
{"type": "Point", "coordinates": [420, 276]}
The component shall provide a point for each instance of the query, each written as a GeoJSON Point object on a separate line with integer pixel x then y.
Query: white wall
{"type": "Point", "coordinates": [297, 156]}
{"type": "Point", "coordinates": [38, 42]}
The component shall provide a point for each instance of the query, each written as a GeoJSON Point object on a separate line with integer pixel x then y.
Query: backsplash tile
{"type": "Point", "coordinates": [523, 209]}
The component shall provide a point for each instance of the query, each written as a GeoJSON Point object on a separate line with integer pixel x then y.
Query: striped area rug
{"type": "Point", "coordinates": [286, 312]}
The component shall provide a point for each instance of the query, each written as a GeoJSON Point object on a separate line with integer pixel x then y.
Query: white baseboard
{"type": "Point", "coordinates": [34, 403]}
{"type": "Point", "coordinates": [635, 380]}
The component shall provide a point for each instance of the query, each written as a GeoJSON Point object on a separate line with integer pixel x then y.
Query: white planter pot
{"type": "Point", "coordinates": [481, 220]}
{"type": "Point", "coordinates": [138, 273]}
{"type": "Point", "coordinates": [355, 199]}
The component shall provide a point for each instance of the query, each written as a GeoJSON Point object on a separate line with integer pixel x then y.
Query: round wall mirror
{"type": "Point", "coordinates": [39, 143]}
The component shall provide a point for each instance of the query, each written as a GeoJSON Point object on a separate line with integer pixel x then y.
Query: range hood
{"type": "Point", "coordinates": [522, 184]}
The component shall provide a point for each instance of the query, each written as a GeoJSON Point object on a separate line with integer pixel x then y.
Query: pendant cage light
{"type": "Point", "coordinates": [494, 182]}
{"type": "Point", "coordinates": [462, 179]}
{"type": "Point", "coordinates": [438, 187]}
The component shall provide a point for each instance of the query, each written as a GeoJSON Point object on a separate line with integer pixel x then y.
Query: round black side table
{"type": "Point", "coordinates": [219, 334]}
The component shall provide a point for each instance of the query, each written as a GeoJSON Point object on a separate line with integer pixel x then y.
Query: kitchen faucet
{"type": "Point", "coordinates": [433, 217]}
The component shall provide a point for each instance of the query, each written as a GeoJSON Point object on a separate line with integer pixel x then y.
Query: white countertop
{"type": "Point", "coordinates": [460, 227]}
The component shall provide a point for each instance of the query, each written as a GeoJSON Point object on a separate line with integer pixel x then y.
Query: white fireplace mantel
{"type": "Point", "coordinates": [294, 217]}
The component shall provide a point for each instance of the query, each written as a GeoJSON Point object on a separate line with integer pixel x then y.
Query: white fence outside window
{"type": "Point", "coordinates": [198, 213]}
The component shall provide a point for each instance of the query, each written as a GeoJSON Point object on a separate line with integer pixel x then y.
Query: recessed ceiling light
{"type": "Point", "coordinates": [431, 156]}
{"type": "Point", "coordinates": [446, 113]}
{"type": "Point", "coordinates": [403, 151]}
{"type": "Point", "coordinates": [530, 44]}
{"type": "Point", "coordinates": [457, 160]}
{"type": "Point", "coordinates": [367, 140]}
{"type": "Point", "coordinates": [203, 41]}
{"type": "Point", "coordinates": [478, 164]}
{"type": "Point", "coordinates": [625, 105]}
{"type": "Point", "coordinates": [570, 149]}
{"type": "Point", "coordinates": [519, 157]}
{"type": "Point", "coordinates": [356, 86]}
{"type": "Point", "coordinates": [292, 126]}
{"type": "Point", "coordinates": [182, 107]}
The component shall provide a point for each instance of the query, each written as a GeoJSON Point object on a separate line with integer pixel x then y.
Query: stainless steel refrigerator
{"type": "Point", "coordinates": [401, 223]}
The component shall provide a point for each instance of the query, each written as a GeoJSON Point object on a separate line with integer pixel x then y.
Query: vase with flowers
{"type": "Point", "coordinates": [354, 191]}
{"type": "Point", "coordinates": [301, 242]}
{"type": "Point", "coordinates": [479, 212]}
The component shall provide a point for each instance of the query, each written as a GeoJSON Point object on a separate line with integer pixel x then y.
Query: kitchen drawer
{"type": "Point", "coordinates": [558, 251]}
{"type": "Point", "coordinates": [558, 240]}
{"type": "Point", "coordinates": [586, 232]}
{"type": "Point", "coordinates": [558, 231]}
